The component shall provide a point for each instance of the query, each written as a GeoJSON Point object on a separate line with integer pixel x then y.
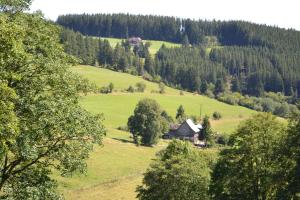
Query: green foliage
{"type": "Point", "coordinates": [249, 169]}
{"type": "Point", "coordinates": [13, 6]}
{"type": "Point", "coordinates": [180, 114]}
{"type": "Point", "coordinates": [180, 172]}
{"type": "Point", "coordinates": [203, 87]}
{"type": "Point", "coordinates": [107, 89]}
{"type": "Point", "coordinates": [147, 122]}
{"type": "Point", "coordinates": [216, 115]}
{"type": "Point", "coordinates": [290, 169]}
{"type": "Point", "coordinates": [206, 132]}
{"type": "Point", "coordinates": [169, 118]}
{"type": "Point", "coordinates": [220, 87]}
{"type": "Point", "coordinates": [130, 89]}
{"type": "Point", "coordinates": [147, 76]}
{"type": "Point", "coordinates": [42, 125]}
{"type": "Point", "coordinates": [259, 58]}
{"type": "Point", "coordinates": [273, 103]}
{"type": "Point", "coordinates": [161, 86]}
{"type": "Point", "coordinates": [141, 86]}
{"type": "Point", "coordinates": [222, 139]}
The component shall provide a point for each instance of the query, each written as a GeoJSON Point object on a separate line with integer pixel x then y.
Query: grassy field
{"type": "Point", "coordinates": [155, 45]}
{"type": "Point", "coordinates": [115, 169]}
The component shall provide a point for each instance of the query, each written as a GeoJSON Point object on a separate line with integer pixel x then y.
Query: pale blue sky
{"type": "Point", "coordinates": [282, 13]}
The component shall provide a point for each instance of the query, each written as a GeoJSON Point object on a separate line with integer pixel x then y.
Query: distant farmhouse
{"type": "Point", "coordinates": [186, 131]}
{"type": "Point", "coordinates": [135, 41]}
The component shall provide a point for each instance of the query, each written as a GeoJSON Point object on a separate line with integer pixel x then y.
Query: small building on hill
{"type": "Point", "coordinates": [134, 41]}
{"type": "Point", "coordinates": [186, 131]}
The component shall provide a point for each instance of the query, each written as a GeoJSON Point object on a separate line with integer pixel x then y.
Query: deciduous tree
{"type": "Point", "coordinates": [42, 126]}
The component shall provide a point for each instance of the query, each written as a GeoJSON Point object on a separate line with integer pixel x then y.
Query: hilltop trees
{"type": "Point", "coordinates": [42, 126]}
{"type": "Point", "coordinates": [179, 172]}
{"type": "Point", "coordinates": [147, 124]}
{"type": "Point", "coordinates": [259, 58]}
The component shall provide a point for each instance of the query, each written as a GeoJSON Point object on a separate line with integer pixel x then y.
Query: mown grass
{"type": "Point", "coordinates": [115, 169]}
{"type": "Point", "coordinates": [118, 106]}
{"type": "Point", "coordinates": [155, 45]}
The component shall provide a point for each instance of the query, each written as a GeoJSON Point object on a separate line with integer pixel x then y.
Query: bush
{"type": "Point", "coordinates": [210, 94]}
{"type": "Point", "coordinates": [147, 77]}
{"type": "Point", "coordinates": [141, 86]}
{"type": "Point", "coordinates": [157, 79]}
{"type": "Point", "coordinates": [283, 110]}
{"type": "Point", "coordinates": [130, 89]}
{"type": "Point", "coordinates": [222, 139]}
{"type": "Point", "coordinates": [181, 93]}
{"type": "Point", "coordinates": [161, 88]}
{"type": "Point", "coordinates": [107, 89]}
{"type": "Point", "coordinates": [216, 116]}
{"type": "Point", "coordinates": [123, 128]}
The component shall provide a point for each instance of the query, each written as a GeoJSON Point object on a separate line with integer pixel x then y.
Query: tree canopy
{"type": "Point", "coordinates": [147, 124]}
{"type": "Point", "coordinates": [252, 167]}
{"type": "Point", "coordinates": [179, 172]}
{"type": "Point", "coordinates": [42, 126]}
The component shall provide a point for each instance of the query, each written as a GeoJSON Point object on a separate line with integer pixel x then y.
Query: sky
{"type": "Point", "coordinates": [281, 13]}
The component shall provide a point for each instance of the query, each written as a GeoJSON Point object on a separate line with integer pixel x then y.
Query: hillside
{"type": "Point", "coordinates": [153, 49]}
{"type": "Point", "coordinates": [112, 105]}
{"type": "Point", "coordinates": [116, 168]}
{"type": "Point", "coordinates": [255, 59]}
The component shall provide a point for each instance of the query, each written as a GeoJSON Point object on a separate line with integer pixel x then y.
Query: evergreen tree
{"type": "Point", "coordinates": [235, 85]}
{"type": "Point", "coordinates": [185, 41]}
{"type": "Point", "coordinates": [219, 87]}
{"type": "Point", "coordinates": [149, 65]}
{"type": "Point", "coordinates": [180, 115]}
{"type": "Point", "coordinates": [203, 87]}
{"type": "Point", "coordinates": [206, 131]}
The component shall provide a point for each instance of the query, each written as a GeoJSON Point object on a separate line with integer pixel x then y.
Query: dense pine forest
{"type": "Point", "coordinates": [215, 56]}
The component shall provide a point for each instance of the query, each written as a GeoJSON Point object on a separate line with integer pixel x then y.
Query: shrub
{"type": "Point", "coordinates": [157, 79]}
{"type": "Point", "coordinates": [161, 88]}
{"type": "Point", "coordinates": [216, 115]}
{"type": "Point", "coordinates": [123, 128]}
{"type": "Point", "coordinates": [147, 77]}
{"type": "Point", "coordinates": [222, 139]}
{"type": "Point", "coordinates": [130, 89]}
{"type": "Point", "coordinates": [107, 89]}
{"type": "Point", "coordinates": [110, 87]}
{"type": "Point", "coordinates": [141, 86]}
{"type": "Point", "coordinates": [210, 94]}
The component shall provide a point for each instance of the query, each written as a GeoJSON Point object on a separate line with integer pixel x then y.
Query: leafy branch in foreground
{"type": "Point", "coordinates": [42, 125]}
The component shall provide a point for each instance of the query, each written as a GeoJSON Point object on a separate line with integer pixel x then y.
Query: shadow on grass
{"type": "Point", "coordinates": [123, 140]}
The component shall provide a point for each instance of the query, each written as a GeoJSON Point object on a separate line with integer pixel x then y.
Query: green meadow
{"type": "Point", "coordinates": [155, 45]}
{"type": "Point", "coordinates": [116, 168]}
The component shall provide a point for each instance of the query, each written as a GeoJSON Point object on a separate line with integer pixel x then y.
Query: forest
{"type": "Point", "coordinates": [258, 58]}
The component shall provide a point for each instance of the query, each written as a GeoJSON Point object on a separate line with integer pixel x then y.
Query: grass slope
{"type": "Point", "coordinates": [115, 169]}
{"type": "Point", "coordinates": [155, 45]}
{"type": "Point", "coordinates": [116, 114]}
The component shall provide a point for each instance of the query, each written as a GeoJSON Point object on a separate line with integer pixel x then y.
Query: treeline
{"type": "Point", "coordinates": [258, 69]}
{"type": "Point", "coordinates": [95, 51]}
{"type": "Point", "coordinates": [176, 30]}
